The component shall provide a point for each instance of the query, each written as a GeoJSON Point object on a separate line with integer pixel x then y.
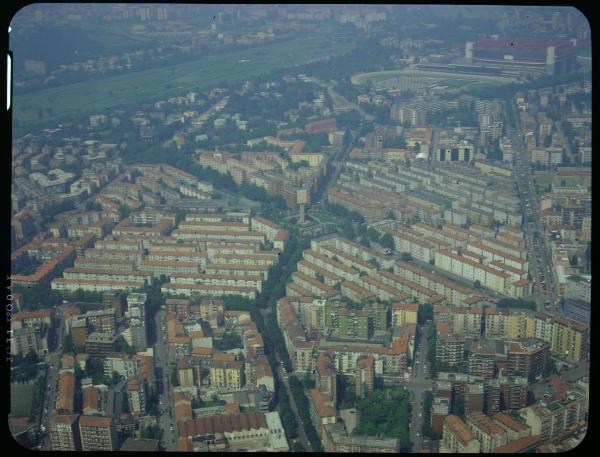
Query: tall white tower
{"type": "Point", "coordinates": [469, 51]}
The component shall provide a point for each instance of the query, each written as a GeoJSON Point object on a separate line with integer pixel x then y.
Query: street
{"type": "Point", "coordinates": [540, 268]}
{"type": "Point", "coordinates": [417, 385]}
{"type": "Point", "coordinates": [164, 360]}
{"type": "Point", "coordinates": [52, 360]}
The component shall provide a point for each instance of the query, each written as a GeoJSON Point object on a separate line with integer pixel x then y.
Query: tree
{"type": "Point", "coordinates": [297, 447]}
{"type": "Point", "coordinates": [152, 432]}
{"type": "Point", "coordinates": [121, 345]}
{"type": "Point", "coordinates": [25, 368]}
{"type": "Point", "coordinates": [477, 284]}
{"type": "Point", "coordinates": [549, 369]}
{"type": "Point", "coordinates": [516, 303]}
{"type": "Point", "coordinates": [174, 378]}
{"type": "Point", "coordinates": [387, 241]}
{"type": "Point", "coordinates": [93, 206]}
{"type": "Point", "coordinates": [68, 344]}
{"type": "Point", "coordinates": [573, 260]}
{"type": "Point", "coordinates": [424, 313]}
{"type": "Point", "coordinates": [124, 211]}
{"type": "Point", "coordinates": [386, 412]}
{"type": "Point", "coordinates": [230, 340]}
{"type": "Point", "coordinates": [406, 256]}
{"type": "Point", "coordinates": [458, 408]}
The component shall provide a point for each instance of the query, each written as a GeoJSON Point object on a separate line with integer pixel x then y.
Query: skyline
{"type": "Point", "coordinates": [340, 228]}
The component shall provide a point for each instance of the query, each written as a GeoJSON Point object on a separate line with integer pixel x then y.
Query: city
{"type": "Point", "coordinates": [300, 228]}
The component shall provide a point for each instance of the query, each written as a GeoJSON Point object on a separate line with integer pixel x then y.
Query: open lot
{"type": "Point", "coordinates": [21, 399]}
{"type": "Point", "coordinates": [75, 100]}
{"type": "Point", "coordinates": [543, 179]}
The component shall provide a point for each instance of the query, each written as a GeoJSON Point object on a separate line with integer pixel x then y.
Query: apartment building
{"type": "Point", "coordinates": [98, 344]}
{"type": "Point", "coordinates": [364, 379]}
{"type": "Point", "coordinates": [515, 429]}
{"type": "Point", "coordinates": [349, 261]}
{"type": "Point", "coordinates": [466, 321]}
{"type": "Point", "coordinates": [97, 433]}
{"type": "Point", "coordinates": [314, 271]}
{"type": "Point", "coordinates": [486, 431]}
{"type": "Point", "coordinates": [226, 374]}
{"type": "Point", "coordinates": [455, 239]}
{"type": "Point", "coordinates": [382, 290]}
{"type": "Point", "coordinates": [310, 312]}
{"type": "Point", "coordinates": [454, 292]}
{"type": "Point", "coordinates": [216, 433]}
{"type": "Point", "coordinates": [300, 350]}
{"type": "Point", "coordinates": [417, 246]}
{"type": "Point", "coordinates": [354, 324]}
{"type": "Point", "coordinates": [355, 292]}
{"type": "Point", "coordinates": [459, 264]}
{"type": "Point", "coordinates": [315, 287]}
{"type": "Point", "coordinates": [509, 325]}
{"type": "Point", "coordinates": [108, 275]}
{"type": "Point", "coordinates": [325, 377]}
{"type": "Point", "coordinates": [404, 313]}
{"type": "Point", "coordinates": [27, 339]}
{"type": "Point", "coordinates": [91, 401]}
{"type": "Point", "coordinates": [66, 392]}
{"type": "Point", "coordinates": [569, 339]}
{"type": "Point", "coordinates": [136, 396]}
{"type": "Point", "coordinates": [483, 356]}
{"type": "Point", "coordinates": [72, 285]}
{"type": "Point", "coordinates": [124, 364]}
{"type": "Point", "coordinates": [527, 358]}
{"type": "Point", "coordinates": [457, 437]}
{"type": "Point", "coordinates": [32, 319]}
{"type": "Point", "coordinates": [260, 259]}
{"type": "Point", "coordinates": [330, 265]}
{"type": "Point", "coordinates": [64, 432]}
{"type": "Point", "coordinates": [103, 320]}
{"type": "Point", "coordinates": [513, 392]}
{"type": "Point", "coordinates": [207, 290]}
{"type": "Point", "coordinates": [371, 211]}
{"type": "Point", "coordinates": [552, 419]}
{"type": "Point", "coordinates": [449, 346]}
{"type": "Point", "coordinates": [322, 410]}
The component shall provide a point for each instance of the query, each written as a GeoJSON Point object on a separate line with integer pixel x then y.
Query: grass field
{"type": "Point", "coordinates": [21, 398]}
{"type": "Point", "coordinates": [75, 100]}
